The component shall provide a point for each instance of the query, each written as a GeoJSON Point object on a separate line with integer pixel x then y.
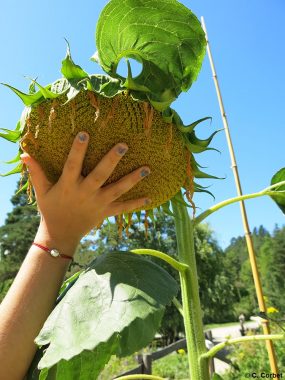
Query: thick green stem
{"type": "Point", "coordinates": [190, 294]}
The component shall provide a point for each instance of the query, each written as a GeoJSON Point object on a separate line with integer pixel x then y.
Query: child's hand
{"type": "Point", "coordinates": [74, 205]}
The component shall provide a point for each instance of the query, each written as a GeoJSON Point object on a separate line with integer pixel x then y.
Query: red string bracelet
{"type": "Point", "coordinates": [53, 252]}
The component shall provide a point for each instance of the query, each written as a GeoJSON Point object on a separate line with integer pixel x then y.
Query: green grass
{"type": "Point", "coordinates": [116, 366]}
{"type": "Point", "coordinates": [173, 366]}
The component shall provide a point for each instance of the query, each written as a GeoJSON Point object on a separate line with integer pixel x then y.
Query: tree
{"type": "Point", "coordinates": [237, 261]}
{"type": "Point", "coordinates": [16, 236]}
{"type": "Point", "coordinates": [216, 287]}
{"type": "Point", "coordinates": [273, 268]}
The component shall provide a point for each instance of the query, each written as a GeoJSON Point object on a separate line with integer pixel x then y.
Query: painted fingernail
{"type": "Point", "coordinates": [145, 172]}
{"type": "Point", "coordinates": [121, 150]}
{"type": "Point", "coordinates": [147, 201]}
{"type": "Point", "coordinates": [82, 137]}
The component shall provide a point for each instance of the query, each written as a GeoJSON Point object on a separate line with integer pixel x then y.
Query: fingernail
{"type": "Point", "coordinates": [121, 149]}
{"type": "Point", "coordinates": [145, 172]}
{"type": "Point", "coordinates": [82, 137]}
{"type": "Point", "coordinates": [147, 201]}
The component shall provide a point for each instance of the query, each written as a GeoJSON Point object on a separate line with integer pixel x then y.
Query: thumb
{"type": "Point", "coordinates": [39, 180]}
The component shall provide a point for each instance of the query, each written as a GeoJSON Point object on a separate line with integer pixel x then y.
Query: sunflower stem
{"type": "Point", "coordinates": [198, 369]}
{"type": "Point", "coordinates": [244, 339]}
{"type": "Point", "coordinates": [269, 191]}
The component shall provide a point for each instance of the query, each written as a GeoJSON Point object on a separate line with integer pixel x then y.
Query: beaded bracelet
{"type": "Point", "coordinates": [53, 252]}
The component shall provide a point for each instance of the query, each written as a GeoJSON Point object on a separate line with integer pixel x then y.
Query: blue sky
{"type": "Point", "coordinates": [247, 40]}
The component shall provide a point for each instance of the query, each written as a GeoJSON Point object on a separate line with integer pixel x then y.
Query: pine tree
{"type": "Point", "coordinates": [237, 262]}
{"type": "Point", "coordinates": [16, 236]}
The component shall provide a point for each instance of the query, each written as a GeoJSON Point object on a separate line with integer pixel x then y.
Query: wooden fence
{"type": "Point", "coordinates": [145, 360]}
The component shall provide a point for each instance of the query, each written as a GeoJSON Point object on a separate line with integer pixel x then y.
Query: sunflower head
{"type": "Point", "coordinates": [113, 109]}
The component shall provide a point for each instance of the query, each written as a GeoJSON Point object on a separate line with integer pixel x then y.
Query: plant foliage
{"type": "Point", "coordinates": [104, 313]}
{"type": "Point", "coordinates": [171, 49]}
{"type": "Point", "coordinates": [279, 197]}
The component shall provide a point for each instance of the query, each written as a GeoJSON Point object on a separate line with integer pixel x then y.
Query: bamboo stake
{"type": "Point", "coordinates": [248, 237]}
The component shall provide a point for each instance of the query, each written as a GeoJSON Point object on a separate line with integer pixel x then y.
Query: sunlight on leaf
{"type": "Point", "coordinates": [103, 313]}
{"type": "Point", "coordinates": [165, 37]}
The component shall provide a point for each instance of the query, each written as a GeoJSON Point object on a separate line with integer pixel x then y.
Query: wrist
{"type": "Point", "coordinates": [65, 246]}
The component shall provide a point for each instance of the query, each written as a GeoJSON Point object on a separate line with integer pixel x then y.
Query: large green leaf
{"type": "Point", "coordinates": [279, 196]}
{"type": "Point", "coordinates": [114, 307]}
{"type": "Point", "coordinates": [163, 35]}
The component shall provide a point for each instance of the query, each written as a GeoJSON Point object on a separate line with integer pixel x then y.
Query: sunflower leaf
{"type": "Point", "coordinates": [117, 297]}
{"type": "Point", "coordinates": [163, 35]}
{"type": "Point", "coordinates": [279, 196]}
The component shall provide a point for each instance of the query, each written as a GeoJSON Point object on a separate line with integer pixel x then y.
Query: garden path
{"type": "Point", "coordinates": [221, 333]}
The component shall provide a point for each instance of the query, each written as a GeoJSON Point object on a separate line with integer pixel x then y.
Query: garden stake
{"type": "Point", "coordinates": [248, 237]}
